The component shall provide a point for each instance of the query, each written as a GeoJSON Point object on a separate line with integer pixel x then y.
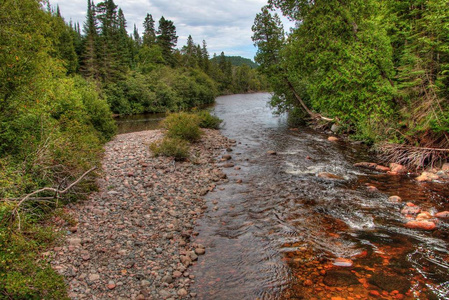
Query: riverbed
{"type": "Point", "coordinates": [278, 230]}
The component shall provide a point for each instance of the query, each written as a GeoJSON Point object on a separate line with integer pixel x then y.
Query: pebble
{"type": "Point", "coordinates": [200, 251]}
{"type": "Point", "coordinates": [343, 262]}
{"type": "Point", "coordinates": [133, 235]}
{"type": "Point", "coordinates": [395, 199]}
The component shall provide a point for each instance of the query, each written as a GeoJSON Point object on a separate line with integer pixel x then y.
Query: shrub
{"type": "Point", "coordinates": [209, 121]}
{"type": "Point", "coordinates": [183, 126]}
{"type": "Point", "coordinates": [172, 147]}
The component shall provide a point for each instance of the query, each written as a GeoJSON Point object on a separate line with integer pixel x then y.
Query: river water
{"type": "Point", "coordinates": [277, 230]}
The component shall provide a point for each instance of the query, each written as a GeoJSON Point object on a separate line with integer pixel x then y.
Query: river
{"type": "Point", "coordinates": [277, 230]}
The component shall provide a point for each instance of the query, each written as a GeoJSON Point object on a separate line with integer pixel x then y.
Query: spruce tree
{"type": "Point", "coordinates": [89, 58]}
{"type": "Point", "coordinates": [149, 32]}
{"type": "Point", "coordinates": [167, 39]}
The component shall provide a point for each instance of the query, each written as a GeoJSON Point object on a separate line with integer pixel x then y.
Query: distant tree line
{"type": "Point", "coordinates": [147, 73]}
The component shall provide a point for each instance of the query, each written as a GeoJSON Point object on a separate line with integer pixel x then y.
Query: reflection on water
{"type": "Point", "coordinates": [285, 233]}
{"type": "Point", "coordinates": [140, 122]}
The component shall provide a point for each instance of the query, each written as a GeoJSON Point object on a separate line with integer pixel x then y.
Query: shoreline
{"type": "Point", "coordinates": [132, 240]}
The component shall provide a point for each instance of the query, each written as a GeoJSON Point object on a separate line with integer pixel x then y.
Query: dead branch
{"type": "Point", "coordinates": [57, 192]}
{"type": "Point", "coordinates": [411, 156]}
{"type": "Point", "coordinates": [304, 106]}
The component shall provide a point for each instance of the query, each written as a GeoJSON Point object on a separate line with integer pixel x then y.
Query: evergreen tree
{"type": "Point", "coordinates": [167, 39]}
{"type": "Point", "coordinates": [89, 58]}
{"type": "Point", "coordinates": [149, 32]}
{"type": "Point", "coordinates": [189, 53]}
{"type": "Point", "coordinates": [112, 65]}
{"type": "Point", "coordinates": [136, 36]}
{"type": "Point", "coordinates": [205, 58]}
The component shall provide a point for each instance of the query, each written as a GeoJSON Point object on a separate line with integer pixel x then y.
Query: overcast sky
{"type": "Point", "coordinates": [225, 25]}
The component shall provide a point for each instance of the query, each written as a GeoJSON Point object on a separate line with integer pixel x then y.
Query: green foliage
{"type": "Point", "coordinates": [296, 117]}
{"type": "Point", "coordinates": [171, 147]}
{"type": "Point", "coordinates": [183, 125]}
{"type": "Point", "coordinates": [380, 67]}
{"type": "Point", "coordinates": [52, 128]}
{"type": "Point", "coordinates": [238, 61]}
{"type": "Point", "coordinates": [208, 121]}
{"type": "Point", "coordinates": [23, 275]}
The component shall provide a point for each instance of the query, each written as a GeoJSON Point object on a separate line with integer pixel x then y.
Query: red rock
{"type": "Point", "coordinates": [424, 225]}
{"type": "Point", "coordinates": [332, 139]}
{"type": "Point", "coordinates": [343, 262]}
{"type": "Point", "coordinates": [411, 204]}
{"type": "Point", "coordinates": [410, 210]}
{"type": "Point", "coordinates": [400, 169]}
{"type": "Point", "coordinates": [111, 286]}
{"type": "Point", "coordinates": [424, 216]}
{"type": "Point", "coordinates": [442, 215]}
{"type": "Point", "coordinates": [374, 293]}
{"type": "Point", "coordinates": [392, 173]}
{"type": "Point", "coordinates": [308, 282]}
{"type": "Point", "coordinates": [329, 176]}
{"type": "Point", "coordinates": [395, 199]}
{"type": "Point", "coordinates": [271, 152]}
{"type": "Point", "coordinates": [427, 177]}
{"type": "Point", "coordinates": [367, 165]}
{"type": "Point", "coordinates": [382, 168]}
{"type": "Point", "coordinates": [371, 188]}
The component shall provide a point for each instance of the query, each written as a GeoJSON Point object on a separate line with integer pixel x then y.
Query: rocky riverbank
{"type": "Point", "coordinates": [132, 240]}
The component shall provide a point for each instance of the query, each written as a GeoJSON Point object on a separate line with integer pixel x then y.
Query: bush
{"type": "Point", "coordinates": [172, 147]}
{"type": "Point", "coordinates": [209, 121]}
{"type": "Point", "coordinates": [183, 126]}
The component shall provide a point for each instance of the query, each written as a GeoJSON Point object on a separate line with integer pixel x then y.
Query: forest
{"type": "Point", "coordinates": [377, 68]}
{"type": "Point", "coordinates": [60, 84]}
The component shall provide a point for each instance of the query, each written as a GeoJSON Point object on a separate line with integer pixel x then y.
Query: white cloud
{"type": "Point", "coordinates": [225, 25]}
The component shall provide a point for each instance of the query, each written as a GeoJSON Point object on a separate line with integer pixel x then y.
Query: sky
{"type": "Point", "coordinates": [225, 25]}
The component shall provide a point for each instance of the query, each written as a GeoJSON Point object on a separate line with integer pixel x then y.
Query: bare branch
{"type": "Point", "coordinates": [57, 192]}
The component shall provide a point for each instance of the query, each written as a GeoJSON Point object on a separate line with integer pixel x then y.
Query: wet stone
{"type": "Point", "coordinates": [390, 283]}
{"type": "Point", "coordinates": [340, 278]}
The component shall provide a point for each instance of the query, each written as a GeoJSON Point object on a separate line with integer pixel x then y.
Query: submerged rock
{"type": "Point", "coordinates": [395, 199]}
{"type": "Point", "coordinates": [422, 224]}
{"type": "Point", "coordinates": [340, 278]}
{"type": "Point", "coordinates": [329, 176]}
{"type": "Point", "coordinates": [389, 282]}
{"type": "Point", "coordinates": [343, 262]}
{"type": "Point", "coordinates": [367, 165]}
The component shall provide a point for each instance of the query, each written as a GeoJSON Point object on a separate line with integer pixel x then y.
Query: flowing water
{"type": "Point", "coordinates": [277, 230]}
